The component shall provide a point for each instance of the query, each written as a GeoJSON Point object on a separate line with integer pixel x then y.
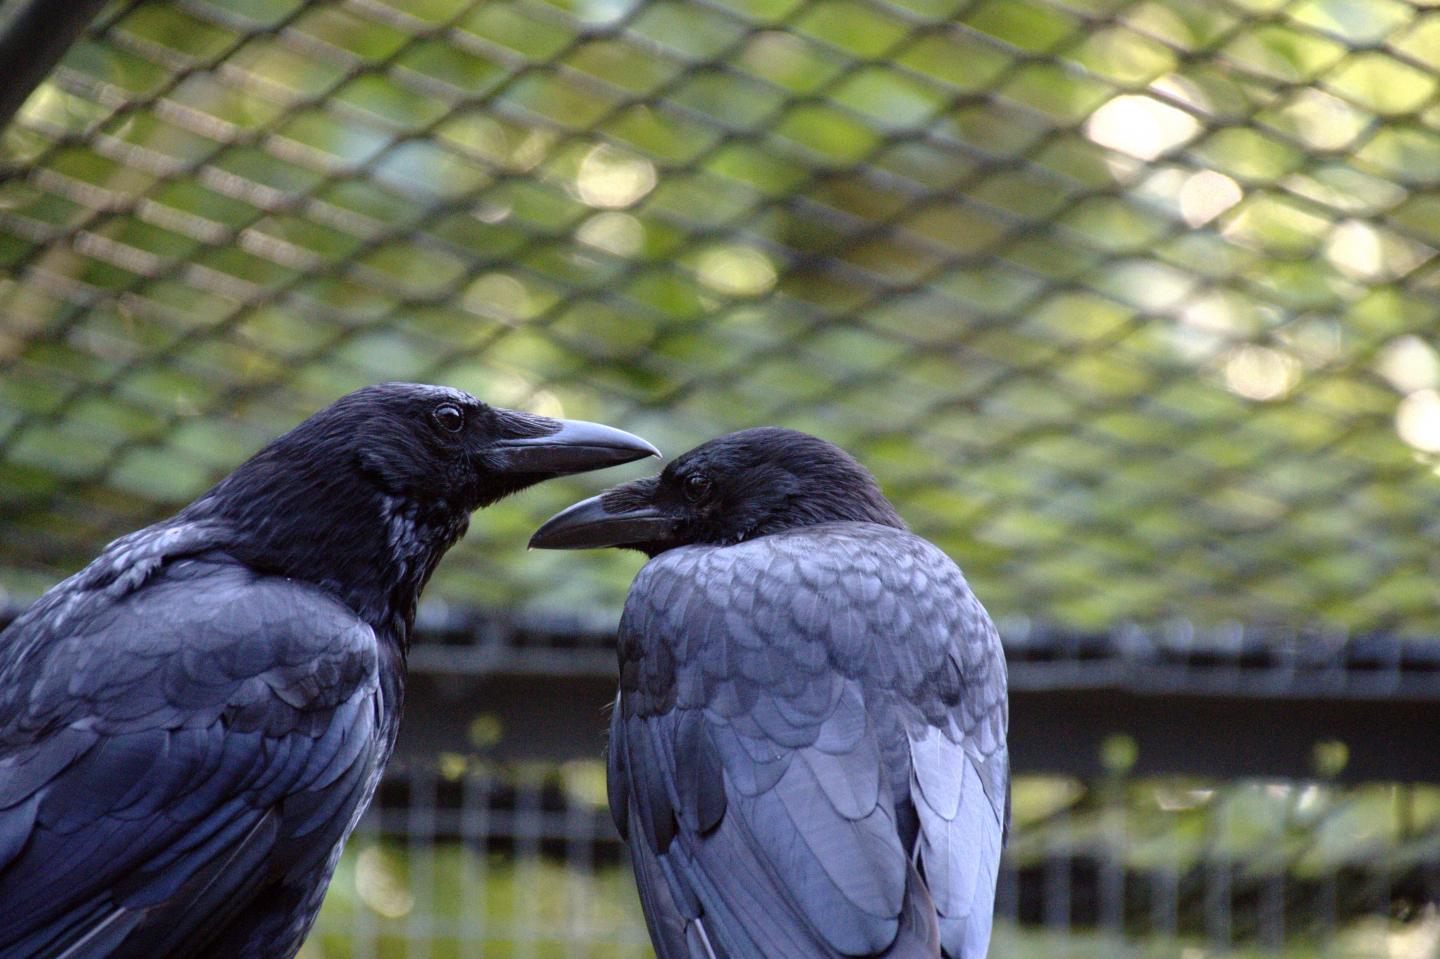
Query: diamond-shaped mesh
{"type": "Point", "coordinates": [1130, 305]}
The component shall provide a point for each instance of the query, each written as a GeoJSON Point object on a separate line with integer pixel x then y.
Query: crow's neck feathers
{"type": "Point", "coordinates": [329, 525]}
{"type": "Point", "coordinates": [851, 496]}
{"type": "Point", "coordinates": [773, 479]}
{"type": "Point", "coordinates": [308, 507]}
{"type": "Point", "coordinates": [417, 539]}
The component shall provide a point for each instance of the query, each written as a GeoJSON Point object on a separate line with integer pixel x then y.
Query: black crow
{"type": "Point", "coordinates": [191, 725]}
{"type": "Point", "coordinates": [807, 753]}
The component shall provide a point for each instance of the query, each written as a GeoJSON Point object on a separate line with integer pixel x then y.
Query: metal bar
{"type": "Point", "coordinates": [32, 41]}
{"type": "Point", "coordinates": [507, 716]}
{"type": "Point", "coordinates": [507, 687]}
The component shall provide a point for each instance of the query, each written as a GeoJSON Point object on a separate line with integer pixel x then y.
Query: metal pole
{"type": "Point", "coordinates": [32, 41]}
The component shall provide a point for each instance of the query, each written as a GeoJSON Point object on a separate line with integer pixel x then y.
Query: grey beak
{"type": "Point", "coordinates": [588, 525]}
{"type": "Point", "coordinates": [577, 447]}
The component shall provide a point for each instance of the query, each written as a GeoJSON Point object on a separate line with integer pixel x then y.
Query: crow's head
{"type": "Point", "coordinates": [747, 484]}
{"type": "Point", "coordinates": [367, 495]}
{"type": "Point", "coordinates": [437, 446]}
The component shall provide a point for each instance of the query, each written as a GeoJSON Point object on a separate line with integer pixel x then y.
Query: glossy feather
{"type": "Point", "coordinates": [808, 752]}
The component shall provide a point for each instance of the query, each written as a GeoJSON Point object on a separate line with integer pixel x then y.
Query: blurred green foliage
{"type": "Point", "coordinates": [1131, 304]}
{"type": "Point", "coordinates": [476, 905]}
{"type": "Point", "coordinates": [450, 901]}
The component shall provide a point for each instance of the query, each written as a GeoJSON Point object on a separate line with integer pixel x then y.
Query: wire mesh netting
{"type": "Point", "coordinates": [1085, 282]}
{"type": "Point", "coordinates": [1131, 306]}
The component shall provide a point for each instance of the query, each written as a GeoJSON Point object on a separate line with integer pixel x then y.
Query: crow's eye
{"type": "Point", "coordinates": [450, 417]}
{"type": "Point", "coordinates": [696, 486]}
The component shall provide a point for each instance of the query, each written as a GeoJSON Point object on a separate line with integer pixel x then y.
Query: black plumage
{"type": "Point", "coordinates": [191, 725]}
{"type": "Point", "coordinates": [807, 753]}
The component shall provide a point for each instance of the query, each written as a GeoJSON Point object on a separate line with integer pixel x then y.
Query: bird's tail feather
{"type": "Point", "coordinates": [919, 935]}
{"type": "Point", "coordinates": [89, 931]}
{"type": "Point", "coordinates": [213, 897]}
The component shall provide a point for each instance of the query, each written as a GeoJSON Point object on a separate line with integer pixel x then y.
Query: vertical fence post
{"type": "Point", "coordinates": [32, 41]}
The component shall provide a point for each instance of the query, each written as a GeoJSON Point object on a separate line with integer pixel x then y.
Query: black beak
{"type": "Point", "coordinates": [577, 447]}
{"type": "Point", "coordinates": [588, 525]}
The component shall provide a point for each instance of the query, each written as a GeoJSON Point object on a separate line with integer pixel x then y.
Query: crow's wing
{"type": "Point", "coordinates": [772, 694]}
{"type": "Point", "coordinates": [960, 791]}
{"type": "Point", "coordinates": [170, 744]}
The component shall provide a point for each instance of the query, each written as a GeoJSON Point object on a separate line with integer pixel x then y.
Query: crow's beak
{"type": "Point", "coordinates": [589, 525]}
{"type": "Point", "coordinates": [577, 447]}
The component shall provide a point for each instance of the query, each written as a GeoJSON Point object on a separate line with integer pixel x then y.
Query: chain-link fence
{"type": "Point", "coordinates": [1130, 304]}
{"type": "Point", "coordinates": [475, 863]}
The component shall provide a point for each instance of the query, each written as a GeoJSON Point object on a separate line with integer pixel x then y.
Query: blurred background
{"type": "Point", "coordinates": [1131, 305]}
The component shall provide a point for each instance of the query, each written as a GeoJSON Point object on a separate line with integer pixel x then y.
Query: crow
{"type": "Point", "coordinates": [192, 724]}
{"type": "Point", "coordinates": [807, 752]}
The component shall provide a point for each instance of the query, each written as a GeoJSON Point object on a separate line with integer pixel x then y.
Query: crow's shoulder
{"type": "Point", "coordinates": [166, 695]}
{"type": "Point", "coordinates": [167, 630]}
{"type": "Point", "coordinates": [867, 601]}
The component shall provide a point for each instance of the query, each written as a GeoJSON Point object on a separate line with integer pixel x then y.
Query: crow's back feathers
{"type": "Point", "coordinates": [793, 712]}
{"type": "Point", "coordinates": [146, 747]}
